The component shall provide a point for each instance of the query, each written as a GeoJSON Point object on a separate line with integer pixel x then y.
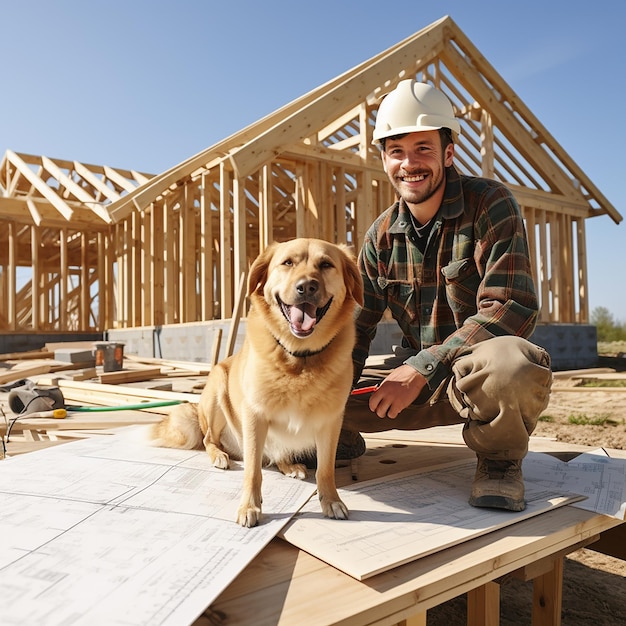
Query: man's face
{"type": "Point", "coordinates": [416, 165]}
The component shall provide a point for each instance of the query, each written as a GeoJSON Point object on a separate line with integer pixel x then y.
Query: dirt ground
{"type": "Point", "coordinates": [594, 588]}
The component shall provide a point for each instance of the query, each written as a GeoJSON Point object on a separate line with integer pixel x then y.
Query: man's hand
{"type": "Point", "coordinates": [397, 391]}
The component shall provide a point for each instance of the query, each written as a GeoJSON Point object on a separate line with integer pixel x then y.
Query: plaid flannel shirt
{"type": "Point", "coordinates": [473, 281]}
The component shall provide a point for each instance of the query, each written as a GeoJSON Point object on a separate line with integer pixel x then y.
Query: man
{"type": "Point", "coordinates": [450, 261]}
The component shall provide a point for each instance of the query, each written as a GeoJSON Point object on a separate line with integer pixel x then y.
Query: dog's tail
{"type": "Point", "coordinates": [179, 429]}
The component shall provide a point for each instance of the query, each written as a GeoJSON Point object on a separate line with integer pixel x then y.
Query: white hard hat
{"type": "Point", "coordinates": [413, 107]}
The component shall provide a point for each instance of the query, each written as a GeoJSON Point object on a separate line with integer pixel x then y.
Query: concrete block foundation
{"type": "Point", "coordinates": [571, 346]}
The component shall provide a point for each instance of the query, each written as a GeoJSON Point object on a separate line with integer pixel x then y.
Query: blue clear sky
{"type": "Point", "coordinates": [145, 84]}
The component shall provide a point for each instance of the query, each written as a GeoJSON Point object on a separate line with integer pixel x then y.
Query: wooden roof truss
{"type": "Point", "coordinates": [172, 248]}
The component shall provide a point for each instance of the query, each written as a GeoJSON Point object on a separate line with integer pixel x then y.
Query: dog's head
{"type": "Point", "coordinates": [305, 284]}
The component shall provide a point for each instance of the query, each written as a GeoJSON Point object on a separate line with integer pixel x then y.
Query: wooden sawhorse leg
{"type": "Point", "coordinates": [548, 596]}
{"type": "Point", "coordinates": [483, 605]}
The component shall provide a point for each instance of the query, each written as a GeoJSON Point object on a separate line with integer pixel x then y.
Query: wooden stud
{"type": "Point", "coordinates": [548, 596]}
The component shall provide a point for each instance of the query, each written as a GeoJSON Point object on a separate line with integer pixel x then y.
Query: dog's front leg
{"type": "Point", "coordinates": [254, 434]}
{"type": "Point", "coordinates": [331, 504]}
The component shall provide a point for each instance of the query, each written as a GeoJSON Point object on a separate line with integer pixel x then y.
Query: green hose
{"type": "Point", "coordinates": [123, 407]}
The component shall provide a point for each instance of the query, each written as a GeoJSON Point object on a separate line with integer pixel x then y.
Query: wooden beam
{"type": "Point", "coordinates": [96, 183]}
{"type": "Point", "coordinates": [76, 190]}
{"type": "Point", "coordinates": [40, 185]}
{"type": "Point", "coordinates": [206, 251]}
{"type": "Point", "coordinates": [472, 80]}
{"type": "Point", "coordinates": [41, 212]}
{"type": "Point", "coordinates": [157, 265]}
{"type": "Point", "coordinates": [64, 279]}
{"type": "Point", "coordinates": [322, 110]}
{"type": "Point", "coordinates": [11, 283]}
{"type": "Point", "coordinates": [266, 207]}
{"type": "Point", "coordinates": [226, 272]}
{"type": "Point", "coordinates": [583, 287]}
{"type": "Point", "coordinates": [36, 293]}
{"type": "Point", "coordinates": [234, 322]}
{"type": "Point", "coordinates": [214, 156]}
{"type": "Point", "coordinates": [118, 179]}
{"type": "Point", "coordinates": [187, 253]}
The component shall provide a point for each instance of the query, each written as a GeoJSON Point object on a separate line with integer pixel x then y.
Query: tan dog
{"type": "Point", "coordinates": [285, 391]}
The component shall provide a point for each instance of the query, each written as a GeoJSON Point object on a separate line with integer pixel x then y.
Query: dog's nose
{"type": "Point", "coordinates": [307, 287]}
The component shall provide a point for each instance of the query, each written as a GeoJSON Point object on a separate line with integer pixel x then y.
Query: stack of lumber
{"type": "Point", "coordinates": [71, 367]}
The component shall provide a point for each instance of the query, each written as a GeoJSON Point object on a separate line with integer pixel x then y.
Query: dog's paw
{"type": "Point", "coordinates": [219, 458]}
{"type": "Point", "coordinates": [335, 509]}
{"type": "Point", "coordinates": [248, 516]}
{"type": "Point", "coordinates": [293, 470]}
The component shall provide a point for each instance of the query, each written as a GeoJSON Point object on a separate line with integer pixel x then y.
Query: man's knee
{"type": "Point", "coordinates": [501, 387]}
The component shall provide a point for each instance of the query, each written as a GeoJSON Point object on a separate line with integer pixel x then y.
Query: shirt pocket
{"type": "Point", "coordinates": [462, 282]}
{"type": "Point", "coordinates": [402, 297]}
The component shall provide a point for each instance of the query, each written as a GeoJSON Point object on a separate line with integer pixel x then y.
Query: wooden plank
{"type": "Point", "coordinates": [56, 345]}
{"type": "Point", "coordinates": [206, 251]}
{"type": "Point", "coordinates": [197, 367]}
{"type": "Point", "coordinates": [583, 287]}
{"type": "Point", "coordinates": [127, 376]}
{"type": "Point", "coordinates": [25, 372]}
{"type": "Point", "coordinates": [234, 322]}
{"type": "Point", "coordinates": [24, 356]}
{"type": "Point", "coordinates": [226, 276]}
{"type": "Point", "coordinates": [36, 295]}
{"type": "Point", "coordinates": [115, 177]}
{"type": "Point", "coordinates": [215, 350]}
{"type": "Point", "coordinates": [240, 260]}
{"type": "Point", "coordinates": [68, 387]}
{"type": "Point", "coordinates": [64, 278]}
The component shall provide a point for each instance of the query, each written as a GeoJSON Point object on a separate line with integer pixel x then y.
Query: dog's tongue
{"type": "Point", "coordinates": [302, 316]}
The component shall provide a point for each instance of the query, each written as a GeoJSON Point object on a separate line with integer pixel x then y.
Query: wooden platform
{"type": "Point", "coordinates": [284, 585]}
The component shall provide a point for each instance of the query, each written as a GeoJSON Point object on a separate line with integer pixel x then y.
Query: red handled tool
{"type": "Point", "coordinates": [362, 390]}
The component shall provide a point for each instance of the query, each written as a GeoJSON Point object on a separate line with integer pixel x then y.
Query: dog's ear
{"type": "Point", "coordinates": [258, 271]}
{"type": "Point", "coordinates": [352, 276]}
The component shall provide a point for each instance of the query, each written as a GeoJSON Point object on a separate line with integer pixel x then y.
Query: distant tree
{"type": "Point", "coordinates": [606, 326]}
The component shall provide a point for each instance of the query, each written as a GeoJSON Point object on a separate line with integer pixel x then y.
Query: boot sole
{"type": "Point", "coordinates": [497, 502]}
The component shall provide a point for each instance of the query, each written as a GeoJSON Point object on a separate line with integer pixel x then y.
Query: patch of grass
{"type": "Point", "coordinates": [585, 420]}
{"type": "Point", "coordinates": [604, 383]}
{"type": "Point", "coordinates": [546, 418]}
{"type": "Point", "coordinates": [610, 348]}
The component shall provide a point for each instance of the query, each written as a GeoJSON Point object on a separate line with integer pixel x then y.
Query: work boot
{"type": "Point", "coordinates": [351, 446]}
{"type": "Point", "coordinates": [498, 485]}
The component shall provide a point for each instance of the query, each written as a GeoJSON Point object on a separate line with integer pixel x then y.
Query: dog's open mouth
{"type": "Point", "coordinates": [303, 317]}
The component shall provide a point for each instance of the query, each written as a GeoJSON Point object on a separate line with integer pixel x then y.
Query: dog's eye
{"type": "Point", "coordinates": [288, 262]}
{"type": "Point", "coordinates": [325, 265]}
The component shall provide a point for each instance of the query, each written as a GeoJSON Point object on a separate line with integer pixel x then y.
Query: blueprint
{"type": "Point", "coordinates": [601, 479]}
{"type": "Point", "coordinates": [105, 531]}
{"type": "Point", "coordinates": [405, 517]}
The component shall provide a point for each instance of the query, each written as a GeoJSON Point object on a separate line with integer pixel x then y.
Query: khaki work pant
{"type": "Point", "coordinates": [497, 389]}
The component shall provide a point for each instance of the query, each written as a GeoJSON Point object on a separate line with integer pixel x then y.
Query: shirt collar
{"type": "Point", "coordinates": [451, 206]}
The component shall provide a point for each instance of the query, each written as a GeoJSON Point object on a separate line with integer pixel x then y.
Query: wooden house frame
{"type": "Point", "coordinates": [109, 248]}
